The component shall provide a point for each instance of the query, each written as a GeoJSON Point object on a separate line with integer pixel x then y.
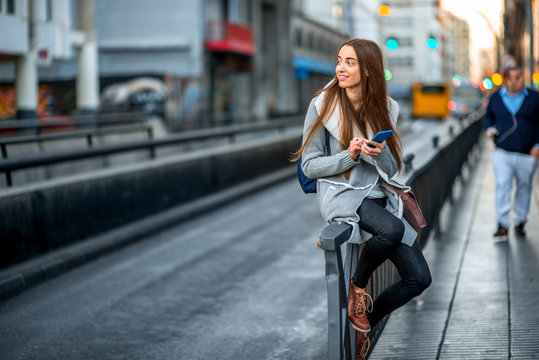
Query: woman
{"type": "Point", "coordinates": [355, 182]}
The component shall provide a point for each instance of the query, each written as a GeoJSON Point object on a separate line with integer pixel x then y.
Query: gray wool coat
{"type": "Point", "coordinates": [339, 198]}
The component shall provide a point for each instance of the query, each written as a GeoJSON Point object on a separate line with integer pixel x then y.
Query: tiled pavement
{"type": "Point", "coordinates": [484, 299]}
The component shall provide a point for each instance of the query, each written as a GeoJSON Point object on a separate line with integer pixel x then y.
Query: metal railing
{"type": "Point", "coordinates": [230, 132]}
{"type": "Point", "coordinates": [432, 184]}
{"type": "Point", "coordinates": [89, 134]}
{"type": "Point", "coordinates": [92, 120]}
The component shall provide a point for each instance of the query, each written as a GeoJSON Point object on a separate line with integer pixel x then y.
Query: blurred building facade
{"type": "Point", "coordinates": [47, 40]}
{"type": "Point", "coordinates": [411, 35]}
{"type": "Point", "coordinates": [220, 60]}
{"type": "Point", "coordinates": [521, 36]}
{"type": "Point", "coordinates": [330, 13]}
{"type": "Point", "coordinates": [315, 45]}
{"type": "Point", "coordinates": [455, 46]}
{"type": "Point", "coordinates": [363, 19]}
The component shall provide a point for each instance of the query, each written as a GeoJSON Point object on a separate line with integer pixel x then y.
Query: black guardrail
{"type": "Point", "coordinates": [231, 132]}
{"type": "Point", "coordinates": [89, 134]}
{"type": "Point", "coordinates": [92, 120]}
{"type": "Point", "coordinates": [49, 215]}
{"type": "Point", "coordinates": [432, 184]}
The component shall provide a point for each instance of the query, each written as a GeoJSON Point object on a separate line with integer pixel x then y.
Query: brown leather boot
{"type": "Point", "coordinates": [358, 307]}
{"type": "Point", "coordinates": [363, 343]}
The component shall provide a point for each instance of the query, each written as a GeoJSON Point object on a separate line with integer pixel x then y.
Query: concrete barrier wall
{"type": "Point", "coordinates": [46, 216]}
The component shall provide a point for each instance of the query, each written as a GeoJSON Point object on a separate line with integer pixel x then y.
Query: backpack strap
{"type": "Point", "coordinates": [328, 148]}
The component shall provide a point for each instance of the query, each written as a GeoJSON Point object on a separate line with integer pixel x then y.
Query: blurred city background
{"type": "Point", "coordinates": [149, 210]}
{"type": "Point", "coordinates": [216, 62]}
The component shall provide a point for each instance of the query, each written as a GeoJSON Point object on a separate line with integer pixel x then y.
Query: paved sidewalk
{"type": "Point", "coordinates": [483, 302]}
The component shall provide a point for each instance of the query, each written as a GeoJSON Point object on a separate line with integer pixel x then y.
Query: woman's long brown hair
{"type": "Point", "coordinates": [373, 113]}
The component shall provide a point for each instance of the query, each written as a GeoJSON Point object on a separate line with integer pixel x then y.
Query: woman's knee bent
{"type": "Point", "coordinates": [419, 283]}
{"type": "Point", "coordinates": [391, 232]}
{"type": "Point", "coordinates": [424, 281]}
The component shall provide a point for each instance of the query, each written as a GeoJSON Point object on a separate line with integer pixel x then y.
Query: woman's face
{"type": "Point", "coordinates": [347, 69]}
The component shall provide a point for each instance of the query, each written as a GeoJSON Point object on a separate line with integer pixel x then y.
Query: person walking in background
{"type": "Point", "coordinates": [512, 122]}
{"type": "Point", "coordinates": [355, 180]}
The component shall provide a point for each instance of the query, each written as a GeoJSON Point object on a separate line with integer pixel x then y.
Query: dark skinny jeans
{"type": "Point", "coordinates": [387, 231]}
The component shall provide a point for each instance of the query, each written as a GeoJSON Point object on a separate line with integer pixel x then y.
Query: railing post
{"type": "Point", "coordinates": [352, 255]}
{"type": "Point", "coordinates": [407, 160]}
{"type": "Point", "coordinates": [46, 169]}
{"type": "Point", "coordinates": [150, 137]}
{"type": "Point", "coordinates": [4, 151]}
{"type": "Point", "coordinates": [89, 140]}
{"type": "Point", "coordinates": [435, 141]}
{"type": "Point", "coordinates": [332, 237]}
{"type": "Point", "coordinates": [335, 286]}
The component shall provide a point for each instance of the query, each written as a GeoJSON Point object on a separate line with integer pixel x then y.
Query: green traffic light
{"type": "Point", "coordinates": [392, 44]}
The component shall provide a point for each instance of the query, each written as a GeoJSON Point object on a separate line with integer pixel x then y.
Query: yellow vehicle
{"type": "Point", "coordinates": [430, 99]}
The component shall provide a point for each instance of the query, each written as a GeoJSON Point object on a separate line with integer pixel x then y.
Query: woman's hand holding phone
{"type": "Point", "coordinates": [376, 145]}
{"type": "Point", "coordinates": [372, 147]}
{"type": "Point", "coordinates": [373, 151]}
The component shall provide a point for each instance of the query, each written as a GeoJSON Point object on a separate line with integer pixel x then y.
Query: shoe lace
{"type": "Point", "coordinates": [362, 353]}
{"type": "Point", "coordinates": [362, 303]}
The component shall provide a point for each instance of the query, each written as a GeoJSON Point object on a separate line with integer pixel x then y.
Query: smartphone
{"type": "Point", "coordinates": [381, 136]}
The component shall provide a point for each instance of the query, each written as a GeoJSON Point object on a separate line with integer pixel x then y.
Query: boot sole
{"type": "Point", "coordinates": [358, 329]}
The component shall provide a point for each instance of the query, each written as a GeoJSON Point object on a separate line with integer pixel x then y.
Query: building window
{"type": "Point", "coordinates": [401, 3]}
{"type": "Point", "coordinates": [327, 48]}
{"type": "Point", "coordinates": [11, 7]}
{"type": "Point", "coordinates": [310, 41]}
{"type": "Point", "coordinates": [406, 41]}
{"type": "Point", "coordinates": [320, 47]}
{"type": "Point", "coordinates": [405, 61]}
{"type": "Point", "coordinates": [399, 22]}
{"type": "Point", "coordinates": [246, 12]}
{"type": "Point", "coordinates": [49, 10]}
{"type": "Point", "coordinates": [299, 35]}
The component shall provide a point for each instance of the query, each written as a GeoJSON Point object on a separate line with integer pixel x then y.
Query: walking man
{"type": "Point", "coordinates": [512, 122]}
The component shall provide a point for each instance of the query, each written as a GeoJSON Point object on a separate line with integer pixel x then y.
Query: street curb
{"type": "Point", "coordinates": [18, 278]}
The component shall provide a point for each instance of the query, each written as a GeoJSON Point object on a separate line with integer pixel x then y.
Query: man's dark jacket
{"type": "Point", "coordinates": [519, 133]}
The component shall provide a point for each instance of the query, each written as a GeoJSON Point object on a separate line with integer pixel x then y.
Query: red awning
{"type": "Point", "coordinates": [227, 37]}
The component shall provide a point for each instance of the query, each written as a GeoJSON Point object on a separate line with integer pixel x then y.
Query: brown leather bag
{"type": "Point", "coordinates": [411, 212]}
